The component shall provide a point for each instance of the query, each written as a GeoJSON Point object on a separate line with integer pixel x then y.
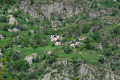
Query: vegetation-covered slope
{"type": "Point", "coordinates": [59, 40]}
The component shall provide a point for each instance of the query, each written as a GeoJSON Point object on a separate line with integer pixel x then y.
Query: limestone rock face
{"type": "Point", "coordinates": [57, 8]}
{"type": "Point", "coordinates": [12, 20]}
{"type": "Point", "coordinates": [1, 37]}
{"type": "Point", "coordinates": [14, 30]}
{"type": "Point", "coordinates": [29, 58]}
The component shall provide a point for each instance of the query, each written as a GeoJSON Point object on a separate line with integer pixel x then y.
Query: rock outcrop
{"type": "Point", "coordinates": [12, 20]}
{"type": "Point", "coordinates": [57, 8]}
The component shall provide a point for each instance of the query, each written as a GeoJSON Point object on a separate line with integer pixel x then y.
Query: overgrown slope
{"type": "Point", "coordinates": [60, 40]}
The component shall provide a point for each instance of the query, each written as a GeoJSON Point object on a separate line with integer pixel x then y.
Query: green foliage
{"type": "Point", "coordinates": [7, 1]}
{"type": "Point", "coordinates": [21, 65]}
{"type": "Point", "coordinates": [37, 59]}
{"type": "Point", "coordinates": [67, 49]}
{"type": "Point", "coordinates": [3, 19]}
{"type": "Point", "coordinates": [17, 13]}
{"type": "Point", "coordinates": [77, 78]}
{"type": "Point", "coordinates": [96, 37]}
{"type": "Point", "coordinates": [115, 31]}
{"type": "Point", "coordinates": [85, 29]}
{"type": "Point", "coordinates": [31, 2]}
{"type": "Point", "coordinates": [101, 59]}
{"type": "Point", "coordinates": [60, 18]}
{"type": "Point", "coordinates": [118, 0]}
{"type": "Point", "coordinates": [50, 57]}
{"type": "Point", "coordinates": [90, 43]}
{"type": "Point", "coordinates": [107, 52]}
{"type": "Point", "coordinates": [109, 3]}
{"type": "Point", "coordinates": [15, 55]}
{"type": "Point", "coordinates": [6, 27]}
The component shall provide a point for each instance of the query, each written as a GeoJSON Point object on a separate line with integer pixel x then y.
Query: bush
{"type": "Point", "coordinates": [15, 55]}
{"type": "Point", "coordinates": [60, 18]}
{"type": "Point", "coordinates": [85, 29]}
{"type": "Point", "coordinates": [6, 27]}
{"type": "Point", "coordinates": [67, 49]}
{"type": "Point", "coordinates": [96, 37]}
{"type": "Point", "coordinates": [16, 13]}
{"type": "Point", "coordinates": [90, 43]}
{"type": "Point", "coordinates": [101, 59]}
{"type": "Point", "coordinates": [22, 27]}
{"type": "Point", "coordinates": [3, 19]}
{"type": "Point", "coordinates": [37, 59]}
{"type": "Point", "coordinates": [8, 1]}
{"type": "Point", "coordinates": [50, 57]}
{"type": "Point", "coordinates": [21, 65]}
{"type": "Point", "coordinates": [107, 52]}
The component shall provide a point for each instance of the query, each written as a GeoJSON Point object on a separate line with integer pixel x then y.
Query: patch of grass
{"type": "Point", "coordinates": [108, 3]}
{"type": "Point", "coordinates": [29, 50]}
{"type": "Point", "coordinates": [4, 42]}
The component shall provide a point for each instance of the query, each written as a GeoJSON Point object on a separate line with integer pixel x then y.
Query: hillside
{"type": "Point", "coordinates": [59, 40]}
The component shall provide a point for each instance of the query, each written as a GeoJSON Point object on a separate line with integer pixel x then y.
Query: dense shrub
{"type": "Point", "coordinates": [37, 59]}
{"type": "Point", "coordinates": [50, 57]}
{"type": "Point", "coordinates": [107, 52]}
{"type": "Point", "coordinates": [8, 1]}
{"type": "Point", "coordinates": [17, 13]}
{"type": "Point", "coordinates": [96, 37]}
{"type": "Point", "coordinates": [116, 31]}
{"type": "Point", "coordinates": [101, 59]}
{"type": "Point", "coordinates": [15, 55]}
{"type": "Point", "coordinates": [67, 49]}
{"type": "Point", "coordinates": [85, 29]}
{"type": "Point", "coordinates": [118, 0]}
{"type": "Point", "coordinates": [3, 19]}
{"type": "Point", "coordinates": [90, 43]}
{"type": "Point", "coordinates": [21, 65]}
{"type": "Point", "coordinates": [6, 27]}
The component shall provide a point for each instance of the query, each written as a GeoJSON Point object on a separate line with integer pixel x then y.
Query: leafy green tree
{"type": "Point", "coordinates": [21, 65]}
{"type": "Point", "coordinates": [67, 49]}
{"type": "Point", "coordinates": [85, 29]}
{"type": "Point", "coordinates": [96, 37]}
{"type": "Point", "coordinates": [37, 59]}
{"type": "Point", "coordinates": [3, 19]}
{"type": "Point", "coordinates": [101, 59]}
{"type": "Point", "coordinates": [7, 1]}
{"type": "Point", "coordinates": [15, 55]}
{"type": "Point", "coordinates": [107, 52]}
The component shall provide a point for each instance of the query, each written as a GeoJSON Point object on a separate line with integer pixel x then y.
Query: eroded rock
{"type": "Point", "coordinates": [12, 20]}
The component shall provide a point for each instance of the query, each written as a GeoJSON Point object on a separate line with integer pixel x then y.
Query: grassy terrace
{"type": "Point", "coordinates": [85, 55]}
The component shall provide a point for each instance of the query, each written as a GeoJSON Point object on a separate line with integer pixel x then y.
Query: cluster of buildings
{"type": "Point", "coordinates": [56, 39]}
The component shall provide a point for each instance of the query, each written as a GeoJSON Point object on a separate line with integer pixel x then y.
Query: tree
{"type": "Point", "coordinates": [107, 52]}
{"type": "Point", "coordinates": [21, 65]}
{"type": "Point", "coordinates": [67, 49]}
{"type": "Point", "coordinates": [15, 55]}
{"type": "Point", "coordinates": [101, 59]}
{"type": "Point", "coordinates": [85, 29]}
{"type": "Point", "coordinates": [37, 59]}
{"type": "Point", "coordinates": [118, 0]}
{"type": "Point", "coordinates": [96, 37]}
{"type": "Point", "coordinates": [6, 27]}
{"type": "Point", "coordinates": [7, 1]}
{"type": "Point", "coordinates": [3, 19]}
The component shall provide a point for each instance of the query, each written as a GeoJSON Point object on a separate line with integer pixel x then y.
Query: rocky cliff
{"type": "Point", "coordinates": [83, 72]}
{"type": "Point", "coordinates": [57, 8]}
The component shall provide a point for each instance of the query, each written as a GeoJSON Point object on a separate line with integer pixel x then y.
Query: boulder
{"type": "Point", "coordinates": [1, 37]}
{"type": "Point", "coordinates": [57, 43]}
{"type": "Point", "coordinates": [14, 30]}
{"type": "Point", "coordinates": [12, 20]}
{"type": "Point", "coordinates": [30, 58]}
